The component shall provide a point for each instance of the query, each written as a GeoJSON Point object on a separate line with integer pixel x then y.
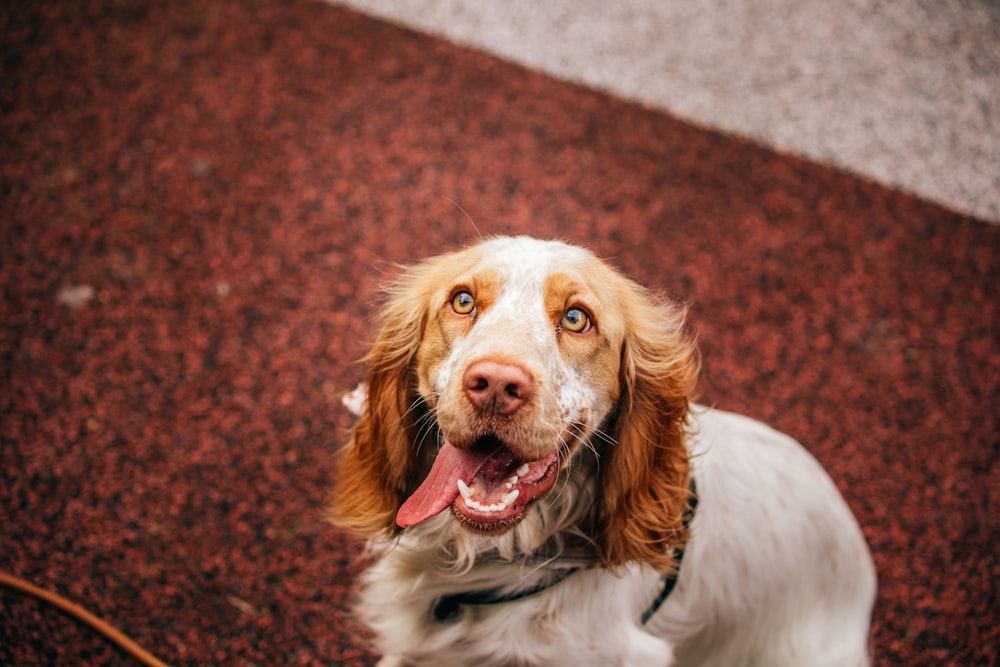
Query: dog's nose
{"type": "Point", "coordinates": [497, 388]}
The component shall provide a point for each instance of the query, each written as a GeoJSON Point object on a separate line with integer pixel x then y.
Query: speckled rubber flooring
{"type": "Point", "coordinates": [199, 202]}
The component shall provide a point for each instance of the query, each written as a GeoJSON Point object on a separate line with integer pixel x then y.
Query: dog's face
{"type": "Point", "coordinates": [496, 369]}
{"type": "Point", "coordinates": [519, 363]}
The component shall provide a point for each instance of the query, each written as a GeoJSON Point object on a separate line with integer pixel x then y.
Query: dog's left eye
{"type": "Point", "coordinates": [463, 303]}
{"type": "Point", "coordinates": [575, 320]}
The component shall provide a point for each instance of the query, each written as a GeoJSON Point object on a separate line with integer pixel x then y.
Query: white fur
{"type": "Point", "coordinates": [776, 572]}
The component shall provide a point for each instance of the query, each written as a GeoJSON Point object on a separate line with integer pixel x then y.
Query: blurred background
{"type": "Point", "coordinates": [200, 200]}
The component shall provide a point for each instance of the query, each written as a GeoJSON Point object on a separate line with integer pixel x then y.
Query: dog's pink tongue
{"type": "Point", "coordinates": [440, 489]}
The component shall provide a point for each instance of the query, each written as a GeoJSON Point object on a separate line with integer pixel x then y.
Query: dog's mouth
{"type": "Point", "coordinates": [487, 486]}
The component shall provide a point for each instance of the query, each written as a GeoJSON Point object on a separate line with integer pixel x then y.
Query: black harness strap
{"type": "Point", "coordinates": [670, 580]}
{"type": "Point", "coordinates": [450, 606]}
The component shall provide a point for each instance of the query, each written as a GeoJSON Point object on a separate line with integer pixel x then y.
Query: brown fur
{"type": "Point", "coordinates": [381, 464]}
{"type": "Point", "coordinates": [644, 490]}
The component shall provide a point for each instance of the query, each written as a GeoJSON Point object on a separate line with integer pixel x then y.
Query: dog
{"type": "Point", "coordinates": [538, 488]}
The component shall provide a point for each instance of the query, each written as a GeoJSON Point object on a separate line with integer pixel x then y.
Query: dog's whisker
{"type": "Point", "coordinates": [426, 425]}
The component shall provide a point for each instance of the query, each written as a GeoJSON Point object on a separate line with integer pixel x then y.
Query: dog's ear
{"type": "Point", "coordinates": [379, 465]}
{"type": "Point", "coordinates": [645, 473]}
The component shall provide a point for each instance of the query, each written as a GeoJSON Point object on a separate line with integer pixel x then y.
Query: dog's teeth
{"type": "Point", "coordinates": [505, 501]}
{"type": "Point", "coordinates": [523, 470]}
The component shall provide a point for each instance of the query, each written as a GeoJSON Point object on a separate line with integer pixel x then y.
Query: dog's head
{"type": "Point", "coordinates": [505, 369]}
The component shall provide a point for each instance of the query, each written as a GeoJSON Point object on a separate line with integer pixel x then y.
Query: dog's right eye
{"type": "Point", "coordinates": [463, 303]}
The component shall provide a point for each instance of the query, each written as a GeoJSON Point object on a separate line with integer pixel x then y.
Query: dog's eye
{"type": "Point", "coordinates": [575, 320]}
{"type": "Point", "coordinates": [463, 303]}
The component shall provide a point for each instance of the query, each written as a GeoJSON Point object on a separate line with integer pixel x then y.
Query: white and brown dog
{"type": "Point", "coordinates": [530, 477]}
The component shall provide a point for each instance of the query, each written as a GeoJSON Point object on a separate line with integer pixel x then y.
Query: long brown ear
{"type": "Point", "coordinates": [379, 465]}
{"type": "Point", "coordinates": [645, 474]}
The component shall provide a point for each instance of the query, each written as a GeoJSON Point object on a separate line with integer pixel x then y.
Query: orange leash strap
{"type": "Point", "coordinates": [80, 614]}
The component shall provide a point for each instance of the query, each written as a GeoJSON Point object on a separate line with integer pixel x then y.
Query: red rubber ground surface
{"type": "Point", "coordinates": [233, 181]}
